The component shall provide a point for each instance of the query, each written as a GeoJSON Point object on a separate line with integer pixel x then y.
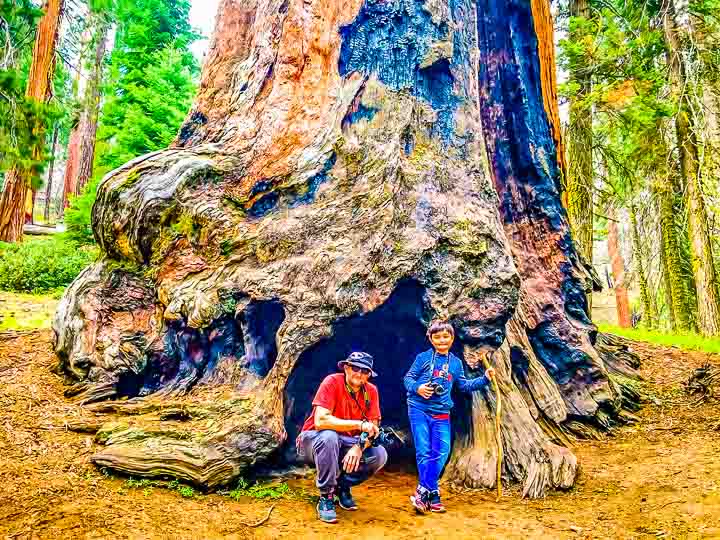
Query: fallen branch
{"type": "Point", "coordinates": [261, 521]}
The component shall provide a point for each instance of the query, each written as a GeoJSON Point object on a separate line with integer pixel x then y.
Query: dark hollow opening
{"type": "Point", "coordinates": [191, 356]}
{"type": "Point", "coordinates": [393, 334]}
{"type": "Point", "coordinates": [260, 322]}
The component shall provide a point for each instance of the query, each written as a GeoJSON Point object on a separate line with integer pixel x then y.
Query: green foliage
{"type": "Point", "coordinates": [686, 341]}
{"type": "Point", "coordinates": [146, 485]}
{"type": "Point", "coordinates": [22, 144]}
{"type": "Point", "coordinates": [41, 266]}
{"type": "Point", "coordinates": [151, 82]}
{"type": "Point", "coordinates": [186, 491]}
{"type": "Point", "coordinates": [78, 215]}
{"type": "Point", "coordinates": [262, 491]}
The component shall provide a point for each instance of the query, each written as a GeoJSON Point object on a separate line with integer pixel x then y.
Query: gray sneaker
{"type": "Point", "coordinates": [326, 509]}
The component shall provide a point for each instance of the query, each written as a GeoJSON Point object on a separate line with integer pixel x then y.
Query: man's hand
{"type": "Point", "coordinates": [371, 429]}
{"type": "Point", "coordinates": [425, 391]}
{"type": "Point", "coordinates": [490, 373]}
{"type": "Point", "coordinates": [351, 461]}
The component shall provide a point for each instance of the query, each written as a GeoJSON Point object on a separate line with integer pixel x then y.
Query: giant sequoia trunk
{"type": "Point", "coordinates": [81, 149]}
{"type": "Point", "coordinates": [349, 170]}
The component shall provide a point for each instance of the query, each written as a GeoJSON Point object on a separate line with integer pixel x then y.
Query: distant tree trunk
{"type": "Point", "coordinates": [579, 145]}
{"type": "Point", "coordinates": [667, 287]}
{"type": "Point", "coordinates": [672, 254]}
{"type": "Point", "coordinates": [82, 139]}
{"type": "Point", "coordinates": [51, 172]}
{"type": "Point", "coordinates": [649, 311]}
{"type": "Point", "coordinates": [71, 166]}
{"type": "Point", "coordinates": [708, 304]}
{"type": "Point", "coordinates": [618, 271]}
{"type": "Point", "coordinates": [32, 206]}
{"type": "Point", "coordinates": [17, 180]}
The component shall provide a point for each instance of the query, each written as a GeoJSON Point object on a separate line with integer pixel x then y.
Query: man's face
{"type": "Point", "coordinates": [354, 377]}
{"type": "Point", "coordinates": [442, 341]}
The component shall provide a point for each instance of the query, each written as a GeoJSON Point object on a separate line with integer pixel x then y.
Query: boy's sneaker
{"type": "Point", "coordinates": [436, 504]}
{"type": "Point", "coordinates": [326, 509]}
{"type": "Point", "coordinates": [345, 499]}
{"type": "Point", "coordinates": [420, 501]}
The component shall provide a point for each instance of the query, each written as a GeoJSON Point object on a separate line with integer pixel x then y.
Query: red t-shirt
{"type": "Point", "coordinates": [333, 396]}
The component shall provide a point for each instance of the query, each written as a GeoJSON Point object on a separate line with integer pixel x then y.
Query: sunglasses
{"type": "Point", "coordinates": [362, 370]}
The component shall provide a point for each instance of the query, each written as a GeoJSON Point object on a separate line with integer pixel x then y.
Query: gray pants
{"type": "Point", "coordinates": [327, 448]}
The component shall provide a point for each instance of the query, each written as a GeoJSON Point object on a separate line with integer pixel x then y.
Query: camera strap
{"type": "Point", "coordinates": [445, 368]}
{"type": "Point", "coordinates": [352, 394]}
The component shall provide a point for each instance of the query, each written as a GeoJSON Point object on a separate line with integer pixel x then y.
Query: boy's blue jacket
{"type": "Point", "coordinates": [419, 373]}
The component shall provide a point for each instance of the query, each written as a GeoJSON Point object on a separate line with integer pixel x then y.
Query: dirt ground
{"type": "Point", "coordinates": [657, 479]}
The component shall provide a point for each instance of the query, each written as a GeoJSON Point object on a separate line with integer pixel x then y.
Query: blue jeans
{"type": "Point", "coordinates": [432, 445]}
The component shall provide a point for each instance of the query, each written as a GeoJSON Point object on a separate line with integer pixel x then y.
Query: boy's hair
{"type": "Point", "coordinates": [440, 326]}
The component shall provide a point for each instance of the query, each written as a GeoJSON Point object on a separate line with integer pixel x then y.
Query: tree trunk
{"type": "Point", "coordinates": [649, 312]}
{"type": "Point", "coordinates": [325, 196]}
{"type": "Point", "coordinates": [681, 305]}
{"type": "Point", "coordinates": [622, 304]}
{"type": "Point", "coordinates": [32, 207]}
{"type": "Point", "coordinates": [81, 154]}
{"type": "Point", "coordinates": [51, 172]}
{"type": "Point", "coordinates": [17, 180]}
{"type": "Point", "coordinates": [580, 204]}
{"type": "Point", "coordinates": [706, 286]}
{"type": "Point", "coordinates": [667, 286]}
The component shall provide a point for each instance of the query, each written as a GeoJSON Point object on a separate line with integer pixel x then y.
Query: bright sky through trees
{"type": "Point", "coordinates": [202, 17]}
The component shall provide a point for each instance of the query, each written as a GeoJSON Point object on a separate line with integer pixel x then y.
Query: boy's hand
{"type": "Point", "coordinates": [490, 373]}
{"type": "Point", "coordinates": [425, 391]}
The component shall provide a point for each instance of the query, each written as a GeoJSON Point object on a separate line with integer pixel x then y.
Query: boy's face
{"type": "Point", "coordinates": [442, 341]}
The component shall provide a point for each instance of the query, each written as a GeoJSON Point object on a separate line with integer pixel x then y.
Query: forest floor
{"type": "Point", "coordinates": [659, 478]}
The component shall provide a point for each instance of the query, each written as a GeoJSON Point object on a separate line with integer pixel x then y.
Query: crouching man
{"type": "Point", "coordinates": [346, 405]}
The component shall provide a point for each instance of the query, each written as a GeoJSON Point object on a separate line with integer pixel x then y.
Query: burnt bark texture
{"type": "Point", "coordinates": [349, 171]}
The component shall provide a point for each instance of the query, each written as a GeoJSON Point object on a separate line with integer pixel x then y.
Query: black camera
{"type": "Point", "coordinates": [387, 437]}
{"type": "Point", "coordinates": [437, 388]}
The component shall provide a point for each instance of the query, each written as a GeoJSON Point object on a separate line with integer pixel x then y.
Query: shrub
{"type": "Point", "coordinates": [78, 215]}
{"type": "Point", "coordinates": [42, 265]}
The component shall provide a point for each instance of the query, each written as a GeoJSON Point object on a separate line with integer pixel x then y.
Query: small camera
{"type": "Point", "coordinates": [438, 389]}
{"type": "Point", "coordinates": [387, 437]}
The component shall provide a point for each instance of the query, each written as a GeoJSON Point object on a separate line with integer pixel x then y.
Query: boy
{"type": "Point", "coordinates": [428, 384]}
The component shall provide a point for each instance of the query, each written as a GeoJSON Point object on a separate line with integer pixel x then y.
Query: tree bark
{"type": "Point", "coordinates": [622, 304]}
{"type": "Point", "coordinates": [706, 286]}
{"type": "Point", "coordinates": [324, 196]}
{"type": "Point", "coordinates": [83, 137]}
{"type": "Point", "coordinates": [646, 295]}
{"type": "Point", "coordinates": [51, 172]}
{"type": "Point", "coordinates": [17, 181]}
{"type": "Point", "coordinates": [580, 188]}
{"type": "Point", "coordinates": [681, 305]}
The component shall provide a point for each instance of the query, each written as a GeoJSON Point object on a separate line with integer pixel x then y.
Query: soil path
{"type": "Point", "coordinates": [658, 478]}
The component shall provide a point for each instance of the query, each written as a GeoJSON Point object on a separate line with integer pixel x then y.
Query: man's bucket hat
{"type": "Point", "coordinates": [359, 359]}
